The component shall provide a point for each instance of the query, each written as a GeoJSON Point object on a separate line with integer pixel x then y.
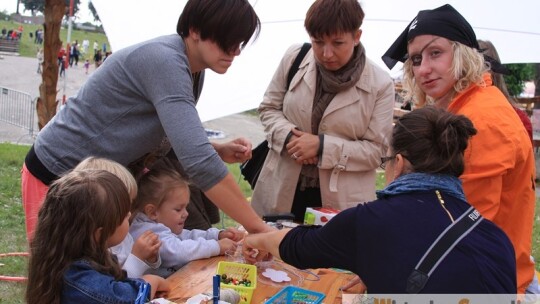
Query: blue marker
{"type": "Point", "coordinates": [144, 294]}
{"type": "Point", "coordinates": [216, 283]}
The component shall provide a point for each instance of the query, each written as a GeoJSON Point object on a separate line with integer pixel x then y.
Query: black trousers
{"type": "Point", "coordinates": [310, 197]}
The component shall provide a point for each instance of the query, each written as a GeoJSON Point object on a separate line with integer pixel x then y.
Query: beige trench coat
{"type": "Point", "coordinates": [354, 125]}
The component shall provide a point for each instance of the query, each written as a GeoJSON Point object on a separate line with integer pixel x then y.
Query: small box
{"type": "Point", "coordinates": [295, 295]}
{"type": "Point", "coordinates": [319, 216]}
{"type": "Point", "coordinates": [239, 272]}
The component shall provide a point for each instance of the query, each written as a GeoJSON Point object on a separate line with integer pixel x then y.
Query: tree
{"type": "Point", "coordinates": [54, 11]}
{"type": "Point", "coordinates": [39, 6]}
{"type": "Point", "coordinates": [93, 11]}
{"type": "Point", "coordinates": [519, 74]}
{"type": "Point", "coordinates": [33, 6]}
{"type": "Point", "coordinates": [4, 15]}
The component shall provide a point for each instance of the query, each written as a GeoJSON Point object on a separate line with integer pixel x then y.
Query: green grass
{"type": "Point", "coordinates": [12, 230]}
{"type": "Point", "coordinates": [29, 49]}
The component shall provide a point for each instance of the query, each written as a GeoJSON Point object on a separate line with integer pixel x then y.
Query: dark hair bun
{"type": "Point", "coordinates": [433, 140]}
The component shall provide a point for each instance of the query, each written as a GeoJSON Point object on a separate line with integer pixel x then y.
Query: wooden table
{"type": "Point", "coordinates": [196, 278]}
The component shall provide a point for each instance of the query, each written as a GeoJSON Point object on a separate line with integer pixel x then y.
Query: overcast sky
{"type": "Point", "coordinates": [84, 14]}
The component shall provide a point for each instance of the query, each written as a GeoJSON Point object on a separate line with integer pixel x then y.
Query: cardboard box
{"type": "Point", "coordinates": [319, 215]}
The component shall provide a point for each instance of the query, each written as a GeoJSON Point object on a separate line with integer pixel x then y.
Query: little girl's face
{"type": "Point", "coordinates": [120, 233]}
{"type": "Point", "coordinates": [172, 212]}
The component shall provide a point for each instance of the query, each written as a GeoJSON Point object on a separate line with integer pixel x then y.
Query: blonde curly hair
{"type": "Point", "coordinates": [467, 67]}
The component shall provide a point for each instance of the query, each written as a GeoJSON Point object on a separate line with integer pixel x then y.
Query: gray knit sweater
{"type": "Point", "coordinates": [125, 109]}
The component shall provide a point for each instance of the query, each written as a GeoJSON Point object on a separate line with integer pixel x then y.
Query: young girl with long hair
{"type": "Point", "coordinates": [84, 213]}
{"type": "Point", "coordinates": [135, 256]}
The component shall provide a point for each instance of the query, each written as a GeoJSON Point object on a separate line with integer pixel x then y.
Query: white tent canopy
{"type": "Point", "coordinates": [513, 27]}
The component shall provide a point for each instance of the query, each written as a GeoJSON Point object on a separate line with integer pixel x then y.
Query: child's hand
{"type": "Point", "coordinates": [159, 285]}
{"type": "Point", "coordinates": [226, 244]}
{"type": "Point", "coordinates": [232, 233]}
{"type": "Point", "coordinates": [146, 247]}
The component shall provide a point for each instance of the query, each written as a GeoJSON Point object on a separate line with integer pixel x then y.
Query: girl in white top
{"type": "Point", "coordinates": [160, 206]}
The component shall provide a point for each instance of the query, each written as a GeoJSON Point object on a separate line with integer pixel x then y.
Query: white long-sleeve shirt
{"type": "Point", "coordinates": [177, 249]}
{"type": "Point", "coordinates": [134, 266]}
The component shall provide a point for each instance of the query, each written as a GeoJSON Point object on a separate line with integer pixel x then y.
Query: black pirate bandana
{"type": "Point", "coordinates": [443, 21]}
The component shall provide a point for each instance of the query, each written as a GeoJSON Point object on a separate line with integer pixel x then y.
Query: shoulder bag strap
{"type": "Point", "coordinates": [296, 64]}
{"type": "Point", "coordinates": [446, 241]}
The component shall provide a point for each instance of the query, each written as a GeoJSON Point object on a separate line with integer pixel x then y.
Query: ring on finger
{"type": "Point", "coordinates": [294, 156]}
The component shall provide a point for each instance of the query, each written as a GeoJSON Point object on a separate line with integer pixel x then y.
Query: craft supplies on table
{"type": "Point", "coordinates": [319, 215]}
{"type": "Point", "coordinates": [240, 277]}
{"type": "Point", "coordinates": [296, 295]}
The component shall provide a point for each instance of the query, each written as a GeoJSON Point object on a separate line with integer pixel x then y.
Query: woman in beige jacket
{"type": "Point", "coordinates": [326, 131]}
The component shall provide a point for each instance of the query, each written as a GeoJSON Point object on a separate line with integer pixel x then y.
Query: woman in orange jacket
{"type": "Point", "coordinates": [443, 67]}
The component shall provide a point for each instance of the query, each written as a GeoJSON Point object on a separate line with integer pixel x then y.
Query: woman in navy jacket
{"type": "Point", "coordinates": [382, 241]}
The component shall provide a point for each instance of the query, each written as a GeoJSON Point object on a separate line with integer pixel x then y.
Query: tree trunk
{"type": "Point", "coordinates": [46, 103]}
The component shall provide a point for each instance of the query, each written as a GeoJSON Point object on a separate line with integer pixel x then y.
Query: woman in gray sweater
{"type": "Point", "coordinates": [144, 96]}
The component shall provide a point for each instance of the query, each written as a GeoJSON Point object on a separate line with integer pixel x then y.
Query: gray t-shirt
{"type": "Point", "coordinates": [139, 96]}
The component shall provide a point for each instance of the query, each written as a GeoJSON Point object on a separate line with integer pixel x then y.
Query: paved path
{"type": "Point", "coordinates": [19, 73]}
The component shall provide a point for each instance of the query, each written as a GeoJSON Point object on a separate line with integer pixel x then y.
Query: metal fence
{"type": "Point", "coordinates": [18, 108]}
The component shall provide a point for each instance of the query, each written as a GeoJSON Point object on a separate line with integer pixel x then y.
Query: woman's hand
{"type": "Point", "coordinates": [263, 246]}
{"type": "Point", "coordinates": [235, 151]}
{"type": "Point", "coordinates": [303, 147]}
{"type": "Point", "coordinates": [253, 255]}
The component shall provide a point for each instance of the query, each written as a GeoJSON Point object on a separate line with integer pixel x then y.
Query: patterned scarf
{"type": "Point", "coordinates": [413, 182]}
{"type": "Point", "coordinates": [329, 84]}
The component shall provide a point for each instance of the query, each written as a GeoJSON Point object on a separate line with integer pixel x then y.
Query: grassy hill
{"type": "Point", "coordinates": [29, 49]}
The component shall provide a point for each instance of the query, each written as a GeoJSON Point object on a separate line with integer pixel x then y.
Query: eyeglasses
{"type": "Point", "coordinates": [384, 161]}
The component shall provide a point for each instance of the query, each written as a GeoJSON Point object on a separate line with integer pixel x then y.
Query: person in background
{"type": "Point", "coordinates": [98, 58]}
{"type": "Point", "coordinates": [382, 241]}
{"type": "Point", "coordinates": [325, 131]}
{"type": "Point", "coordinates": [60, 56]}
{"type": "Point", "coordinates": [152, 85]}
{"type": "Point", "coordinates": [63, 66]}
{"type": "Point", "coordinates": [443, 67]}
{"type": "Point", "coordinates": [160, 207]}
{"type": "Point", "coordinates": [84, 213]}
{"type": "Point", "coordinates": [86, 66]}
{"type": "Point", "coordinates": [85, 45]}
{"type": "Point", "coordinates": [39, 57]}
{"type": "Point", "coordinates": [135, 257]}
{"type": "Point", "coordinates": [497, 70]}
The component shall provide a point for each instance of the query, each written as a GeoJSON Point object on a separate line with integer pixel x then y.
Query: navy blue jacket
{"type": "Point", "coordinates": [382, 241]}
